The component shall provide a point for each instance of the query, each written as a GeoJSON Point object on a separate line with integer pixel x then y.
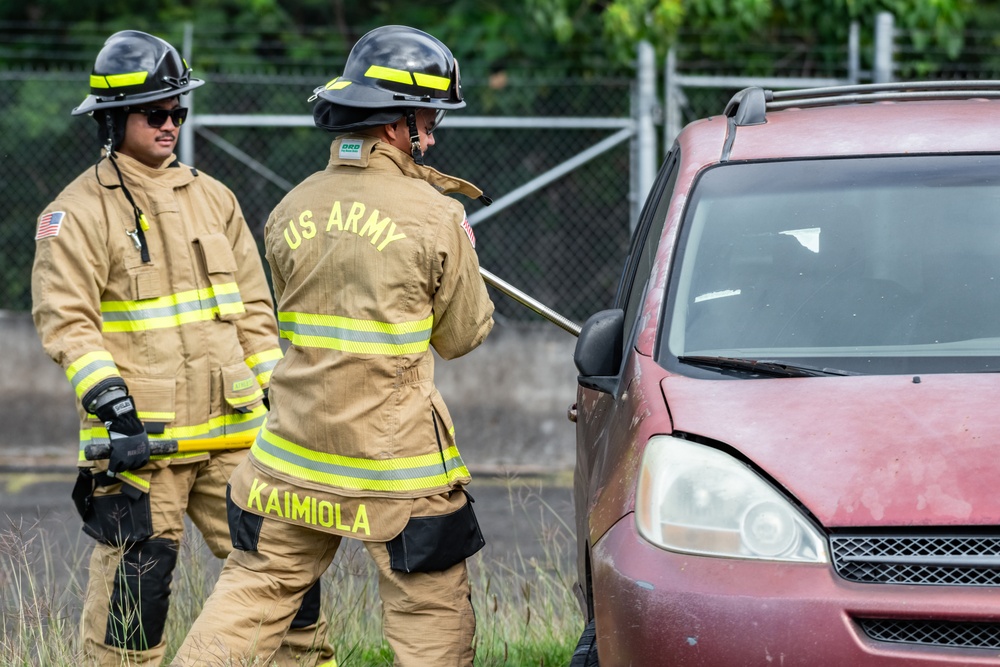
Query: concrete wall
{"type": "Point", "coordinates": [508, 398]}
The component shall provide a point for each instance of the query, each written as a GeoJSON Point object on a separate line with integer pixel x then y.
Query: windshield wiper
{"type": "Point", "coordinates": [761, 367]}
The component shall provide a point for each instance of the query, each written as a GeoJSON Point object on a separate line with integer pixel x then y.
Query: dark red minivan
{"type": "Point", "coordinates": [788, 427]}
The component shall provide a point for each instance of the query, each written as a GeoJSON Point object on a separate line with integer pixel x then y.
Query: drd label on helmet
{"type": "Point", "coordinates": [350, 149]}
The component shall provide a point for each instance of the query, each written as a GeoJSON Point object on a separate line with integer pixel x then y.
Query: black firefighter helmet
{"type": "Point", "coordinates": [133, 68]}
{"type": "Point", "coordinates": [391, 70]}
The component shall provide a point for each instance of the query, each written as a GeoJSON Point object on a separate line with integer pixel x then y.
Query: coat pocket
{"type": "Point", "coordinates": [155, 401]}
{"type": "Point", "coordinates": [146, 284]}
{"type": "Point", "coordinates": [240, 388]}
{"type": "Point", "coordinates": [220, 264]}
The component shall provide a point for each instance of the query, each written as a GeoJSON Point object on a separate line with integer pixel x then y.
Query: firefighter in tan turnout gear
{"type": "Point", "coordinates": [372, 266]}
{"type": "Point", "coordinates": [149, 291]}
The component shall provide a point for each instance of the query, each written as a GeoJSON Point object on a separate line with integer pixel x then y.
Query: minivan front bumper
{"type": "Point", "coordinates": [656, 607]}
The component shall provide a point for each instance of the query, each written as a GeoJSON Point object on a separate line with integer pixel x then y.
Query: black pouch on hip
{"type": "Point", "coordinates": [116, 519]}
{"type": "Point", "coordinates": [436, 543]}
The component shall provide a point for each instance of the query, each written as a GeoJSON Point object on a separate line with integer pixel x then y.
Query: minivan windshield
{"type": "Point", "coordinates": [865, 265]}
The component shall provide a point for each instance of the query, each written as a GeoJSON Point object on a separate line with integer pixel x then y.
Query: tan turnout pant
{"type": "Point", "coordinates": [176, 487]}
{"type": "Point", "coordinates": [427, 618]}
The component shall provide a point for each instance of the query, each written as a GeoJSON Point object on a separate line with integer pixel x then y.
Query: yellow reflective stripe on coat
{"type": "Point", "coordinates": [240, 402]}
{"type": "Point", "coordinates": [157, 416]}
{"type": "Point", "coordinates": [262, 363]}
{"type": "Point", "coordinates": [225, 425]}
{"type": "Point", "coordinates": [171, 311]}
{"type": "Point", "coordinates": [334, 332]}
{"type": "Point", "coordinates": [410, 473]}
{"type": "Point", "coordinates": [135, 480]}
{"type": "Point", "coordinates": [90, 369]}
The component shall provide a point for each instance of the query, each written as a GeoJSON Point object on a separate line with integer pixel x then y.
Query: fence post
{"type": "Point", "coordinates": [854, 53]}
{"type": "Point", "coordinates": [671, 101]}
{"type": "Point", "coordinates": [644, 139]}
{"type": "Point", "coordinates": [185, 150]}
{"type": "Point", "coordinates": [884, 45]}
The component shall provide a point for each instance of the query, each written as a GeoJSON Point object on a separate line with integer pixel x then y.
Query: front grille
{"type": "Point", "coordinates": [933, 633]}
{"type": "Point", "coordinates": [942, 560]}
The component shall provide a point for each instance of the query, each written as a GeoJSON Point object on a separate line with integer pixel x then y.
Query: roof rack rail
{"type": "Point", "coordinates": [749, 106]}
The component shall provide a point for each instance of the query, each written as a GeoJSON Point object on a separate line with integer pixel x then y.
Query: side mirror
{"type": "Point", "coordinates": [598, 354]}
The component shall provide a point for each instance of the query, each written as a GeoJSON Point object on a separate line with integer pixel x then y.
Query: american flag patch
{"type": "Point", "coordinates": [468, 230]}
{"type": "Point", "coordinates": [49, 224]}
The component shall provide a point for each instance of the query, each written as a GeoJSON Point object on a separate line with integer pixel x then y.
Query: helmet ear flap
{"type": "Point", "coordinates": [339, 118]}
{"type": "Point", "coordinates": [110, 126]}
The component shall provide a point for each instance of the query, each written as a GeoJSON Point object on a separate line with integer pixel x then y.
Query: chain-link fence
{"type": "Point", "coordinates": [562, 244]}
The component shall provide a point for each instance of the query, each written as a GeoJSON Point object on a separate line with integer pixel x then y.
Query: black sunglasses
{"type": "Point", "coordinates": [157, 117]}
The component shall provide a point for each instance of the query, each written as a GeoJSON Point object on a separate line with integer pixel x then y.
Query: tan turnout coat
{"type": "Point", "coordinates": [372, 265]}
{"type": "Point", "coordinates": [191, 332]}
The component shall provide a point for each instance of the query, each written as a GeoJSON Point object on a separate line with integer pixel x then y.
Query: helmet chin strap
{"type": "Point", "coordinates": [110, 146]}
{"type": "Point", "coordinates": [411, 122]}
{"type": "Point", "coordinates": [138, 235]}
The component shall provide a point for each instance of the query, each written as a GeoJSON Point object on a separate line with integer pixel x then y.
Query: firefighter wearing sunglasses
{"type": "Point", "coordinates": [373, 265]}
{"type": "Point", "coordinates": [149, 291]}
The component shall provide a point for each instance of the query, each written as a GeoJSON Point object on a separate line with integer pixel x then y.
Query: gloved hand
{"type": "Point", "coordinates": [129, 442]}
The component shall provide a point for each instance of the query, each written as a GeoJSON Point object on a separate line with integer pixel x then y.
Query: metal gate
{"type": "Point", "coordinates": [563, 282]}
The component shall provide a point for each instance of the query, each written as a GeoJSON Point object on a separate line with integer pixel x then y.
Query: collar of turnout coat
{"type": "Point", "coordinates": [361, 151]}
{"type": "Point", "coordinates": [171, 173]}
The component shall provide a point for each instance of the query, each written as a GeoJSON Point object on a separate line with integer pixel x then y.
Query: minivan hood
{"type": "Point", "coordinates": [861, 451]}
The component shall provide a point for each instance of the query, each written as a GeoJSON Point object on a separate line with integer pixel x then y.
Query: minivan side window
{"type": "Point", "coordinates": [640, 262]}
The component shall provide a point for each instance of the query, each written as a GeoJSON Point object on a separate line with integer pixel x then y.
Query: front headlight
{"type": "Point", "coordinates": [698, 500]}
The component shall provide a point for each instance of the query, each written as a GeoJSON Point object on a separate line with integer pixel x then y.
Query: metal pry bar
{"type": "Point", "coordinates": [532, 303]}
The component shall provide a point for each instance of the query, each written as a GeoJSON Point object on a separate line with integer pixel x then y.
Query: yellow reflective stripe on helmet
{"type": "Point", "coordinates": [410, 473]}
{"type": "Point", "coordinates": [389, 74]}
{"type": "Point", "coordinates": [117, 80]}
{"type": "Point", "coordinates": [90, 369]}
{"type": "Point", "coordinates": [262, 363]}
{"type": "Point", "coordinates": [244, 423]}
{"type": "Point", "coordinates": [432, 81]}
{"type": "Point", "coordinates": [337, 84]}
{"type": "Point", "coordinates": [346, 334]}
{"type": "Point", "coordinates": [171, 311]}
{"type": "Point", "coordinates": [402, 76]}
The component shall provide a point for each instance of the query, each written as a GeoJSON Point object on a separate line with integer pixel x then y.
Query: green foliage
{"type": "Point", "coordinates": [508, 33]}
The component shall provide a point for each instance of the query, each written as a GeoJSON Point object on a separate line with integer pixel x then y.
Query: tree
{"type": "Point", "coordinates": [575, 35]}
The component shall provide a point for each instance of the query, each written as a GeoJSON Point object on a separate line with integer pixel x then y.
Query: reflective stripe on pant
{"type": "Point", "coordinates": [427, 617]}
{"type": "Point", "coordinates": [176, 488]}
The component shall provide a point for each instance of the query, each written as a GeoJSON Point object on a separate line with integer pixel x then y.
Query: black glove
{"type": "Point", "coordinates": [129, 442]}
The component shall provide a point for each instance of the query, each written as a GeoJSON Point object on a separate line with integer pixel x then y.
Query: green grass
{"type": "Point", "coordinates": [526, 612]}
